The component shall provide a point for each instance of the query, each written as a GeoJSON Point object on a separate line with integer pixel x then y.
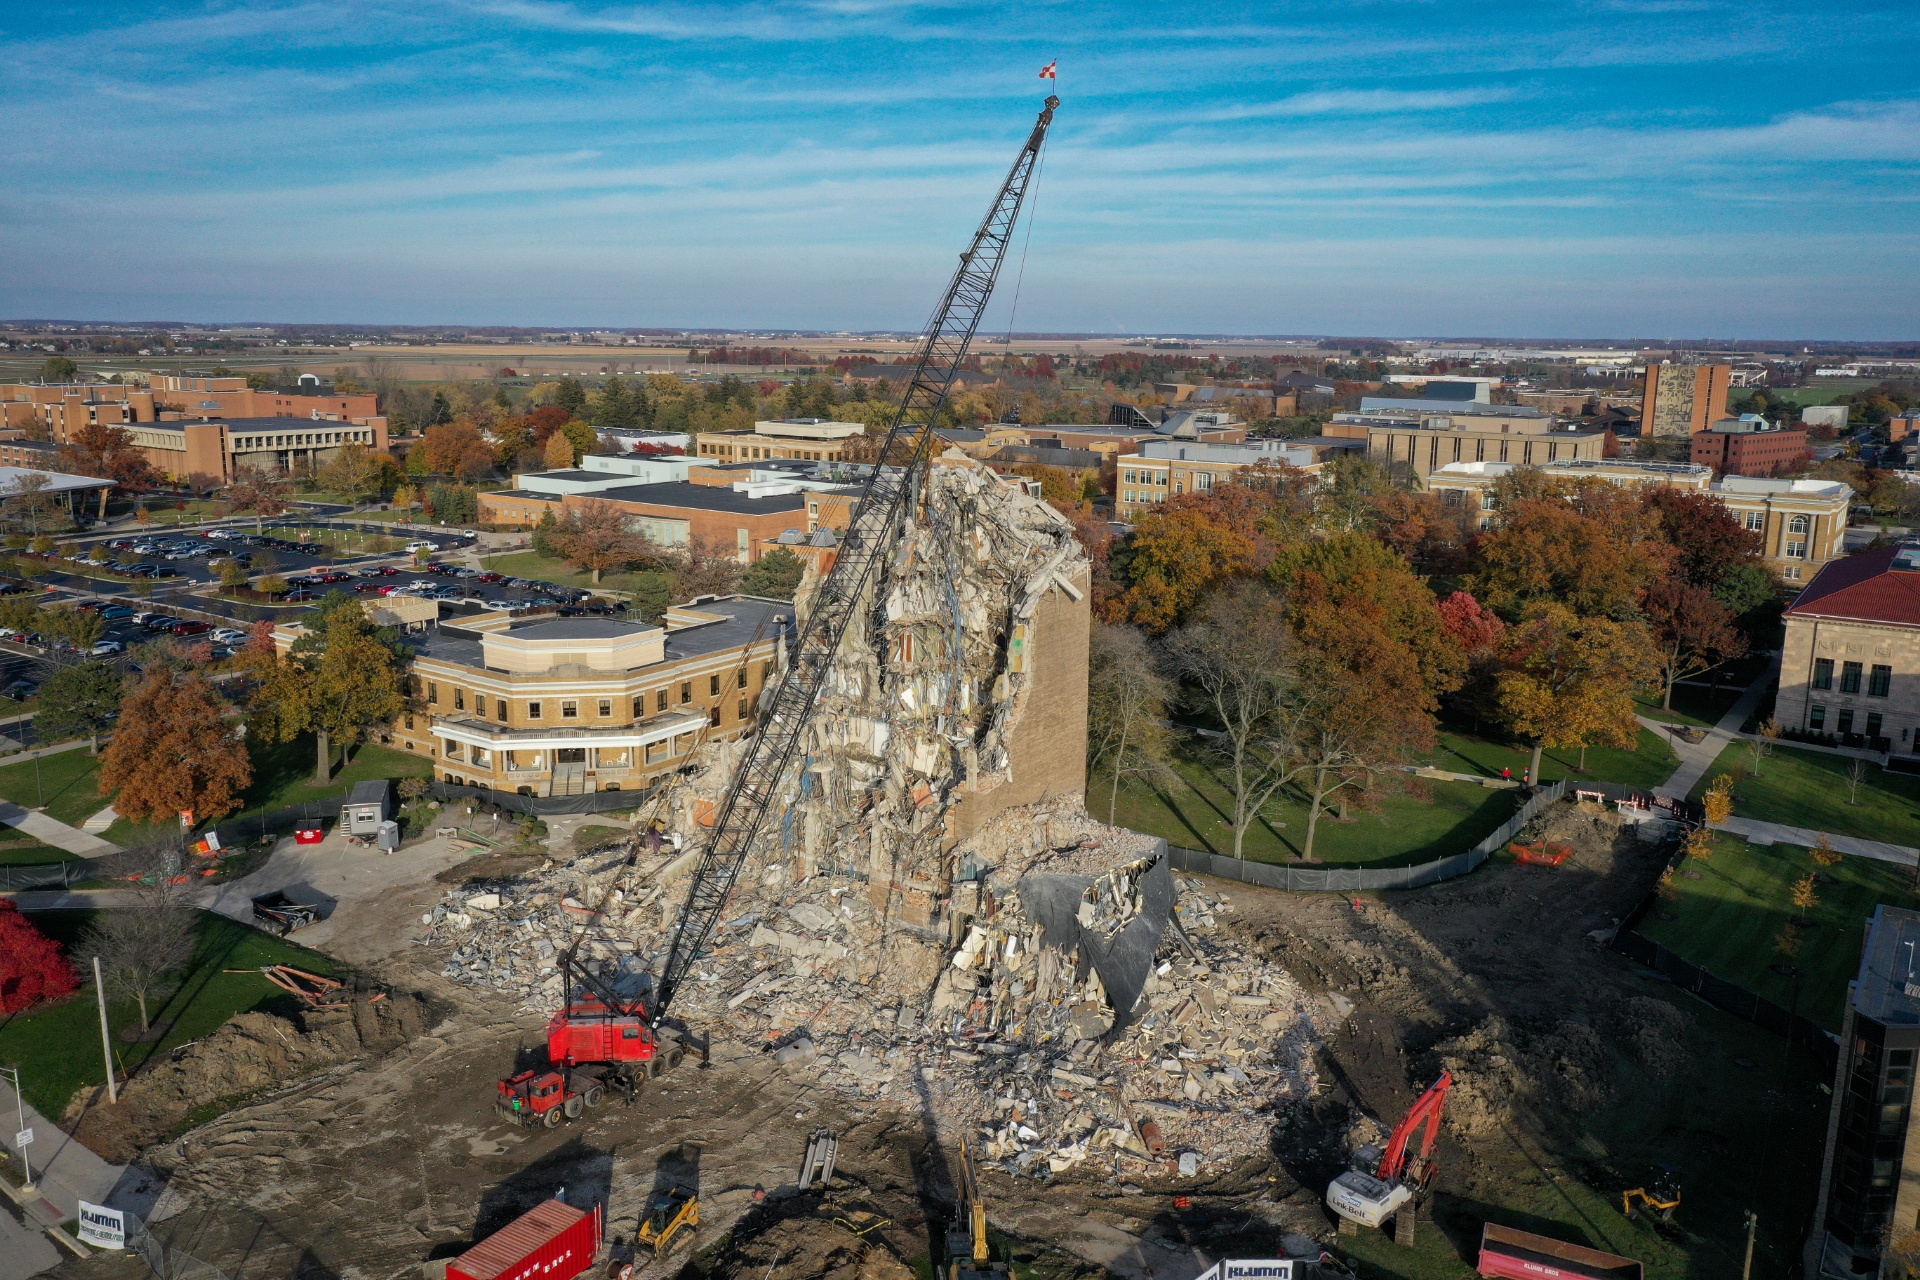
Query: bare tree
{"type": "Point", "coordinates": [1238, 662]}
{"type": "Point", "coordinates": [140, 947]}
{"type": "Point", "coordinates": [1126, 707]}
{"type": "Point", "coordinates": [1856, 774]}
{"type": "Point", "coordinates": [28, 504]}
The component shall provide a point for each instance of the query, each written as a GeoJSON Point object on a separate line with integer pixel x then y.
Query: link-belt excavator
{"type": "Point", "coordinates": [1391, 1183]}
{"type": "Point", "coordinates": [601, 1039]}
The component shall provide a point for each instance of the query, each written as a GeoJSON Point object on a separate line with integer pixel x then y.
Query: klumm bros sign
{"type": "Point", "coordinates": [101, 1227]}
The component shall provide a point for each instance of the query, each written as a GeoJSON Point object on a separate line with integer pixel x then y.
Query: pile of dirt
{"type": "Point", "coordinates": [249, 1055]}
{"type": "Point", "coordinates": [829, 1246]}
{"type": "Point", "coordinates": [1655, 1033]}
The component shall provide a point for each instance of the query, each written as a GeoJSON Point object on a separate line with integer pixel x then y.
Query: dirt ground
{"type": "Point", "coordinates": [373, 1163]}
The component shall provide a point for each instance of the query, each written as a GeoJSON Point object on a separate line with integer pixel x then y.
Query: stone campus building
{"type": "Point", "coordinates": [1850, 662]}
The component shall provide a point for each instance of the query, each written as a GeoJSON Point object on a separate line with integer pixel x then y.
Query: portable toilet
{"type": "Point", "coordinates": [365, 809]}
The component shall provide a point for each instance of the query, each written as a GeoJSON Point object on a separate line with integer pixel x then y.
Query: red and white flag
{"type": "Point", "coordinates": [1048, 73]}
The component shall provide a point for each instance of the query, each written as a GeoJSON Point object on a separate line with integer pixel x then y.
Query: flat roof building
{"type": "Point", "coordinates": [808, 439]}
{"type": "Point", "coordinates": [1165, 468]}
{"type": "Point", "coordinates": [1684, 399]}
{"type": "Point", "coordinates": [1802, 524]}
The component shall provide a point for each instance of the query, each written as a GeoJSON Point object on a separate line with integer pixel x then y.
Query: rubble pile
{"type": "Point", "coordinates": [1046, 984]}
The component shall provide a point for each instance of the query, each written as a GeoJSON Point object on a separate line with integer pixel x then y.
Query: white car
{"type": "Point", "coordinates": [106, 649]}
{"type": "Point", "coordinates": [422, 546]}
{"type": "Point", "coordinates": [228, 635]}
{"type": "Point", "coordinates": [219, 533]}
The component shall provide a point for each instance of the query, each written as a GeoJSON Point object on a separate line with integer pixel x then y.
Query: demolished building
{"type": "Point", "coordinates": [934, 919]}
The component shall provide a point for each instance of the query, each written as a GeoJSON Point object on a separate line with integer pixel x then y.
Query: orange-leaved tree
{"type": "Point", "coordinates": [174, 751]}
{"type": "Point", "coordinates": [1694, 632]}
{"type": "Point", "coordinates": [1374, 657]}
{"type": "Point", "coordinates": [1185, 547]}
{"type": "Point", "coordinates": [1569, 681]}
{"type": "Point", "coordinates": [1547, 549]}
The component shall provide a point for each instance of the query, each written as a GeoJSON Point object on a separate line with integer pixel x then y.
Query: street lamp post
{"type": "Point", "coordinates": [20, 1116]}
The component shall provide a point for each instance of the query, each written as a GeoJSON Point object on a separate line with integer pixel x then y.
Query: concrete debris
{"type": "Point", "coordinates": [1042, 981]}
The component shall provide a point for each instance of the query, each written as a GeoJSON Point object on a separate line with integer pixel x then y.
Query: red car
{"type": "Point", "coordinates": [371, 588]}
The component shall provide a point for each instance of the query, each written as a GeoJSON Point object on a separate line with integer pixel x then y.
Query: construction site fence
{"type": "Point", "coordinates": [542, 806]}
{"type": "Point", "coordinates": [48, 875]}
{"type": "Point", "coordinates": [1366, 879]}
{"type": "Point", "coordinates": [1730, 997]}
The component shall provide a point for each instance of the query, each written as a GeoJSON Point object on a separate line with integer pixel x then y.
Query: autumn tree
{"type": "Point", "coordinates": [257, 492]}
{"type": "Point", "coordinates": [79, 702]}
{"type": "Point", "coordinates": [1237, 663]}
{"type": "Point", "coordinates": [1805, 893]}
{"type": "Point", "coordinates": [1185, 547]}
{"type": "Point", "coordinates": [360, 474]}
{"type": "Point", "coordinates": [28, 502]}
{"type": "Point", "coordinates": [174, 751]}
{"type": "Point", "coordinates": [1718, 801]}
{"type": "Point", "coordinates": [337, 685]}
{"type": "Point", "coordinates": [107, 451]}
{"type": "Point", "coordinates": [143, 944]}
{"type": "Point", "coordinates": [1693, 631]}
{"type": "Point", "coordinates": [1708, 539]}
{"type": "Point", "coordinates": [454, 449]}
{"type": "Point", "coordinates": [1824, 853]}
{"type": "Point", "coordinates": [1127, 700]}
{"type": "Point", "coordinates": [32, 968]}
{"type": "Point", "coordinates": [559, 452]}
{"type": "Point", "coordinates": [1434, 536]}
{"type": "Point", "coordinates": [1569, 681]}
{"type": "Point", "coordinates": [595, 537]}
{"type": "Point", "coordinates": [1545, 549]}
{"type": "Point", "coordinates": [706, 567]}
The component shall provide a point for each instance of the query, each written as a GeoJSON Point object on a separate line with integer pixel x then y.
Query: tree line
{"type": "Point", "coordinates": [1311, 637]}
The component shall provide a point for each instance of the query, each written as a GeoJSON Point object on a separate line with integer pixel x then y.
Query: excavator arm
{"type": "Point", "coordinates": [874, 527]}
{"type": "Point", "coordinates": [1423, 1117]}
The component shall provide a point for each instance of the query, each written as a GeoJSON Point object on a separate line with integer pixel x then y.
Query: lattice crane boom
{"type": "Point", "coordinates": [873, 529]}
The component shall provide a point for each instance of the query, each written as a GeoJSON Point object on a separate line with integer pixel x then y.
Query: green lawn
{"type": "Point", "coordinates": [58, 1049]}
{"type": "Point", "coordinates": [1647, 765]}
{"type": "Point", "coordinates": [531, 564]}
{"type": "Point", "coordinates": [1191, 809]}
{"type": "Point", "coordinates": [18, 849]}
{"type": "Point", "coordinates": [68, 782]}
{"type": "Point", "coordinates": [1729, 920]}
{"type": "Point", "coordinates": [1699, 1122]}
{"type": "Point", "coordinates": [282, 776]}
{"type": "Point", "coordinates": [1809, 789]}
{"type": "Point", "coordinates": [1692, 705]}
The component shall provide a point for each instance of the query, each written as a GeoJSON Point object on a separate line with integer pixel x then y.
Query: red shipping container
{"type": "Point", "coordinates": [553, 1241]}
{"type": "Point", "coordinates": [1508, 1254]}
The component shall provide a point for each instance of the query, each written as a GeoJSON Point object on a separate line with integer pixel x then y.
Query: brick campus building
{"type": "Point", "coordinates": [200, 429]}
{"type": "Point", "coordinates": [1750, 446]}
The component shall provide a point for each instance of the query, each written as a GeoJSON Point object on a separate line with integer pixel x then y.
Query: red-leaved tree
{"type": "Point", "coordinates": [32, 969]}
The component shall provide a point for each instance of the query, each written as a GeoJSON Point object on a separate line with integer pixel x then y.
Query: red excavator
{"type": "Point", "coordinates": [599, 1040]}
{"type": "Point", "coordinates": [1392, 1183]}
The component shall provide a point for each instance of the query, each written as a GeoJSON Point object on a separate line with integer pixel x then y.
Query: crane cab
{"type": "Point", "coordinates": [587, 1031]}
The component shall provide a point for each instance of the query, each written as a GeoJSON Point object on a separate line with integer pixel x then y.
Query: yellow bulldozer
{"type": "Point", "coordinates": [670, 1222]}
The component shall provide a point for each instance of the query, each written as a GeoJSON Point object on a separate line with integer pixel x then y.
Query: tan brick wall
{"type": "Point", "coordinates": [1810, 639]}
{"type": "Point", "coordinates": [1047, 754]}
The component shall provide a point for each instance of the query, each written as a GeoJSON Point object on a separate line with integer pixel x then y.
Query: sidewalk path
{"type": "Point", "coordinates": [1697, 757]}
{"type": "Point", "coordinates": [1780, 833]}
{"type": "Point", "coordinates": [54, 832]}
{"type": "Point", "coordinates": [65, 1171]}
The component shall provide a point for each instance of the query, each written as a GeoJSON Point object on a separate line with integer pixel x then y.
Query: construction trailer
{"type": "Point", "coordinates": [365, 809]}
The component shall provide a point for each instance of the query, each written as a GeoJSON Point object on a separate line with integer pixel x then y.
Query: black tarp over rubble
{"type": "Point", "coordinates": [1068, 911]}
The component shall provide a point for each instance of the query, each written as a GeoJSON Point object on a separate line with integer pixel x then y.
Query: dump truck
{"type": "Point", "coordinates": [551, 1241]}
{"type": "Point", "coordinates": [279, 912]}
{"type": "Point", "coordinates": [1521, 1255]}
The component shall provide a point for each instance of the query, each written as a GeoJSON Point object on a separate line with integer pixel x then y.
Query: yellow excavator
{"type": "Point", "coordinates": [670, 1221]}
{"type": "Point", "coordinates": [1661, 1199]}
{"type": "Point", "coordinates": [969, 1256]}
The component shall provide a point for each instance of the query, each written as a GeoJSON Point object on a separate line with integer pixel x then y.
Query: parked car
{"type": "Point", "coordinates": [491, 576]}
{"type": "Point", "coordinates": [165, 571]}
{"type": "Point", "coordinates": [371, 588]}
{"type": "Point", "coordinates": [106, 649]}
{"type": "Point", "coordinates": [298, 594]}
{"type": "Point", "coordinates": [191, 628]}
{"type": "Point", "coordinates": [20, 690]}
{"type": "Point", "coordinates": [428, 547]}
{"type": "Point", "coordinates": [116, 612]}
{"type": "Point", "coordinates": [160, 622]}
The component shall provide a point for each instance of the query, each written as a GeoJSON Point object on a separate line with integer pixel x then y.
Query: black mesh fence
{"type": "Point", "coordinates": [1365, 879]}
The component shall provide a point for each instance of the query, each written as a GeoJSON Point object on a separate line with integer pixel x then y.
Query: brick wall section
{"type": "Point", "coordinates": [1047, 752]}
{"type": "Point", "coordinates": [1751, 453]}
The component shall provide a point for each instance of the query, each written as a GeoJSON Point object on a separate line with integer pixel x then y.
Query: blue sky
{"type": "Point", "coordinates": [1631, 167]}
